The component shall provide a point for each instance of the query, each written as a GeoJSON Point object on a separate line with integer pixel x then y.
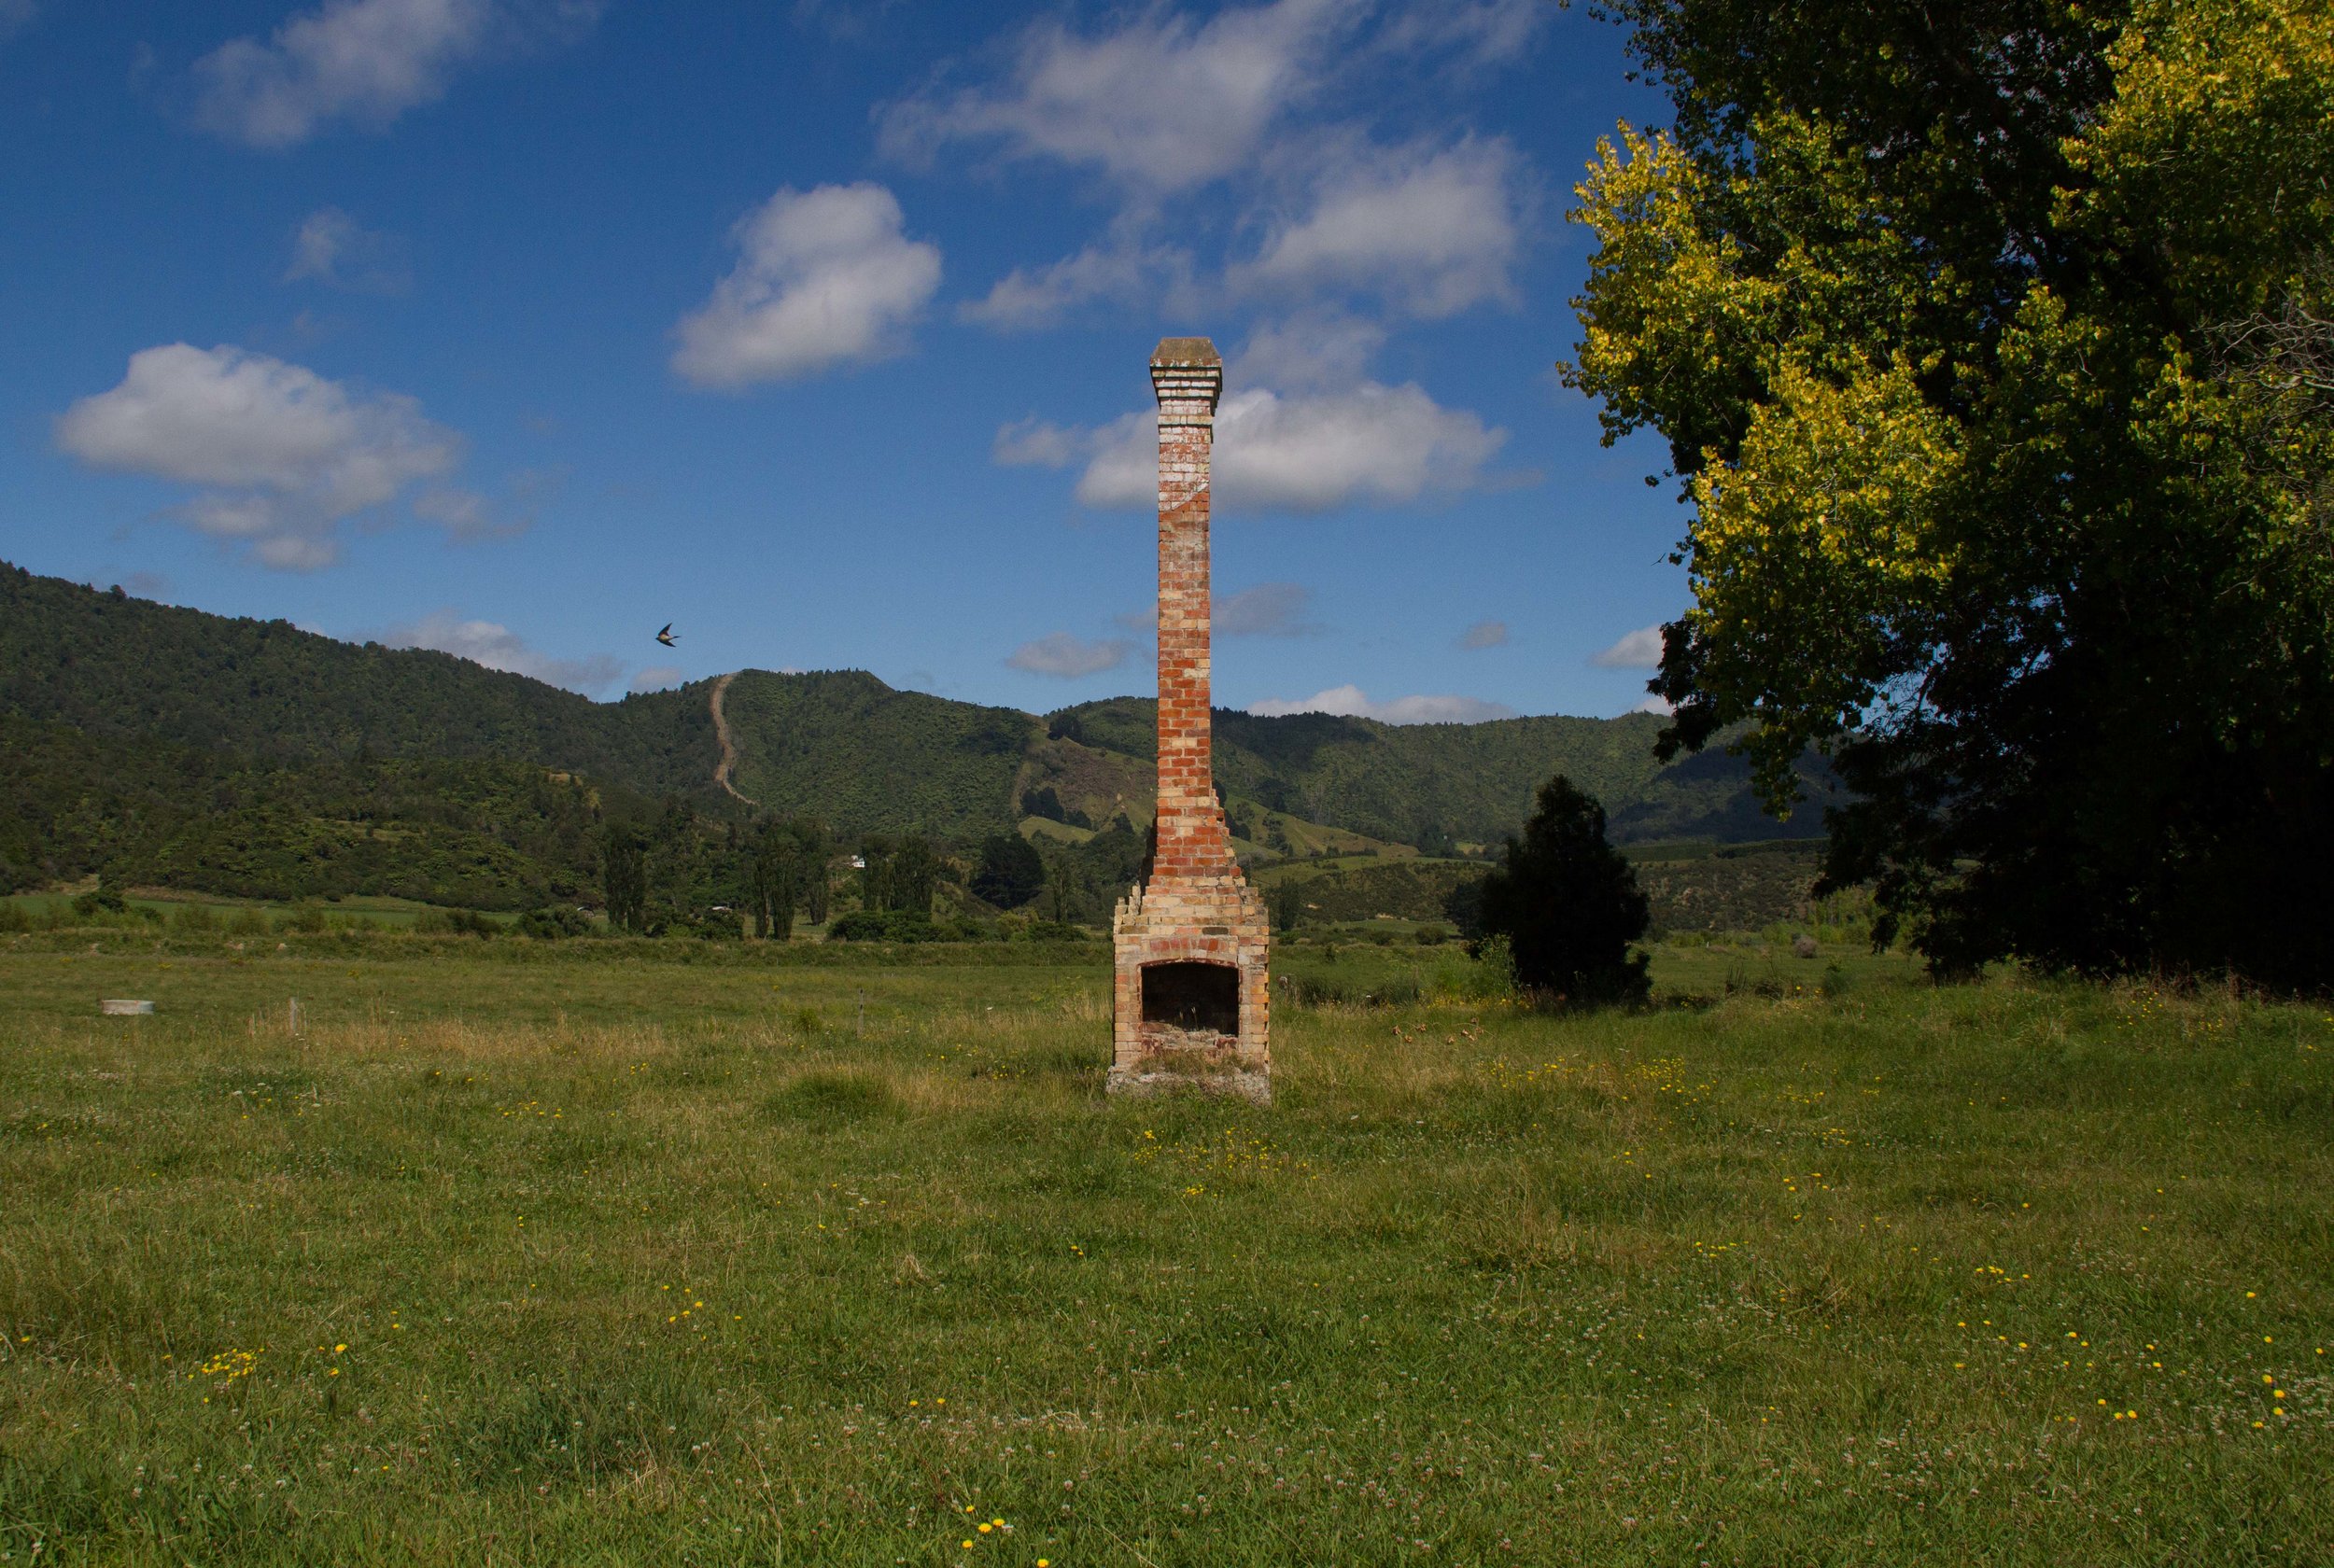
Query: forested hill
{"type": "Point", "coordinates": [122, 669]}
{"type": "Point", "coordinates": [841, 746]}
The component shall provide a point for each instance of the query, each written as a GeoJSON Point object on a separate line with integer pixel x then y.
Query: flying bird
{"type": "Point", "coordinates": [666, 635]}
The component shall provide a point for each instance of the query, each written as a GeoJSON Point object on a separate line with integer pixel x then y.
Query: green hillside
{"type": "Point", "coordinates": [120, 667]}
{"type": "Point", "coordinates": [469, 832]}
{"type": "Point", "coordinates": [843, 746]}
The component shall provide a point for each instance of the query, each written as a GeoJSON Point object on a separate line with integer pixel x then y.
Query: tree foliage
{"type": "Point", "coordinates": [899, 873]}
{"type": "Point", "coordinates": [789, 873]}
{"type": "Point", "coordinates": [1983, 341]}
{"type": "Point", "coordinates": [1010, 873]}
{"type": "Point", "coordinates": [624, 876]}
{"type": "Point", "coordinates": [1568, 903]}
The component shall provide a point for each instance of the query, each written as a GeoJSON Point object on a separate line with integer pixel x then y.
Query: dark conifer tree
{"type": "Point", "coordinates": [1568, 903]}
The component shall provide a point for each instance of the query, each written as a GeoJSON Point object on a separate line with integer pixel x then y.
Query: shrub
{"type": "Point", "coordinates": [433, 922]}
{"type": "Point", "coordinates": [1054, 930]}
{"type": "Point", "coordinates": [879, 925]}
{"type": "Point", "coordinates": [552, 922]}
{"type": "Point", "coordinates": [100, 901]}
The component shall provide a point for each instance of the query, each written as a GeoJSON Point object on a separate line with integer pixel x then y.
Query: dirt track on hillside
{"type": "Point", "coordinates": [729, 750]}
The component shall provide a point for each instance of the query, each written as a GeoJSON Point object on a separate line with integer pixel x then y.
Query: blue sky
{"type": "Point", "coordinates": [519, 328]}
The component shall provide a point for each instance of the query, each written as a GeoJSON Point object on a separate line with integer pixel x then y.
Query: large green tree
{"type": "Point", "coordinates": [1984, 338]}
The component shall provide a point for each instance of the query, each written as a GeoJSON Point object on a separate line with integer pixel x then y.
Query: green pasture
{"type": "Point", "coordinates": [517, 1255]}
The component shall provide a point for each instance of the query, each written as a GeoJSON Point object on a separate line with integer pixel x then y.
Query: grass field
{"type": "Point", "coordinates": [630, 1261]}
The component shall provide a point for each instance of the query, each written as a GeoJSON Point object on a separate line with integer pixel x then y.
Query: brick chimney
{"type": "Point", "coordinates": [1191, 1000]}
{"type": "Point", "coordinates": [1188, 375]}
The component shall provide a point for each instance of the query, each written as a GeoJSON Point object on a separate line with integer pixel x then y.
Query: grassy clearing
{"type": "Point", "coordinates": [635, 1261]}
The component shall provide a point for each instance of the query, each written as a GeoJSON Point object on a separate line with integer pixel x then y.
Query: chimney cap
{"type": "Point", "coordinates": [1187, 353]}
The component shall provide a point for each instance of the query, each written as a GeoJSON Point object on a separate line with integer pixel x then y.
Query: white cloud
{"type": "Point", "coordinates": [1159, 104]}
{"type": "Point", "coordinates": [333, 250]}
{"type": "Point", "coordinates": [1655, 705]}
{"type": "Point", "coordinates": [1316, 350]}
{"type": "Point", "coordinates": [499, 647]}
{"type": "Point", "coordinates": [1431, 232]}
{"type": "Point", "coordinates": [1061, 654]}
{"type": "Point", "coordinates": [1484, 634]}
{"type": "Point", "coordinates": [1036, 444]}
{"type": "Point", "coordinates": [465, 515]}
{"type": "Point", "coordinates": [1352, 702]}
{"type": "Point", "coordinates": [825, 278]}
{"type": "Point", "coordinates": [1306, 451]}
{"type": "Point", "coordinates": [1482, 31]}
{"type": "Point", "coordinates": [1120, 271]}
{"type": "Point", "coordinates": [368, 60]}
{"type": "Point", "coordinates": [657, 678]}
{"type": "Point", "coordinates": [284, 454]}
{"type": "Point", "coordinates": [1641, 649]}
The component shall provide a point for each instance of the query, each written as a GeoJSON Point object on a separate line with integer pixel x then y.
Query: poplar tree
{"type": "Point", "coordinates": [624, 876]}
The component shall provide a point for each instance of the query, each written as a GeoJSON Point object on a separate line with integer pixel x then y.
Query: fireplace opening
{"type": "Point", "coordinates": [1200, 997]}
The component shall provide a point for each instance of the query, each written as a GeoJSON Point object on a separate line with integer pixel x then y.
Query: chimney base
{"type": "Point", "coordinates": [1191, 988]}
